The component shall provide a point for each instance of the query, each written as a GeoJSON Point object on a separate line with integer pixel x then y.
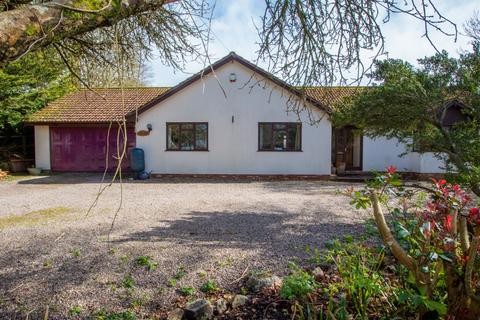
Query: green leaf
{"type": "Point", "coordinates": [440, 307]}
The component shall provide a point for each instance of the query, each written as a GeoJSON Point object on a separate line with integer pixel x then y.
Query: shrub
{"type": "Point", "coordinates": [187, 291]}
{"type": "Point", "coordinates": [146, 261]}
{"type": "Point", "coordinates": [435, 238]}
{"type": "Point", "coordinates": [209, 286]}
{"type": "Point", "coordinates": [298, 284]}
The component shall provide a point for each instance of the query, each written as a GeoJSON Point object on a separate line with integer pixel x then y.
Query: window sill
{"type": "Point", "coordinates": [279, 150]}
{"type": "Point", "coordinates": [169, 150]}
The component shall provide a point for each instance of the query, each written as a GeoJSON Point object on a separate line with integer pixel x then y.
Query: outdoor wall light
{"type": "Point", "coordinates": [149, 127]}
{"type": "Point", "coordinates": [233, 77]}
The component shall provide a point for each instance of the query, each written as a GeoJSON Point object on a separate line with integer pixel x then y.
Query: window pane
{"type": "Point", "coordinates": [186, 140]}
{"type": "Point", "coordinates": [172, 136]}
{"type": "Point", "coordinates": [265, 137]}
{"type": "Point", "coordinates": [294, 134]}
{"type": "Point", "coordinates": [187, 126]}
{"type": "Point", "coordinates": [279, 126]}
{"type": "Point", "coordinates": [201, 136]}
{"type": "Point", "coordinates": [280, 140]}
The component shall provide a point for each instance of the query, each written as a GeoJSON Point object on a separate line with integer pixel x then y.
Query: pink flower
{"type": "Point", "coordinates": [448, 223]}
{"type": "Point", "coordinates": [391, 169]}
{"type": "Point", "coordinates": [474, 211]}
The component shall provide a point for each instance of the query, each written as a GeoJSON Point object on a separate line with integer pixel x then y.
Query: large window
{"type": "Point", "coordinates": [279, 136]}
{"type": "Point", "coordinates": [187, 136]}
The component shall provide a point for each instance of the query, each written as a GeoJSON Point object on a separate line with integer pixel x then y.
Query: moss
{"type": "Point", "coordinates": [32, 29]}
{"type": "Point", "coordinates": [33, 218]}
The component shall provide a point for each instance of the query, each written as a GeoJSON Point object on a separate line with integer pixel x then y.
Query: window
{"type": "Point", "coordinates": [187, 136]}
{"type": "Point", "coordinates": [279, 136]}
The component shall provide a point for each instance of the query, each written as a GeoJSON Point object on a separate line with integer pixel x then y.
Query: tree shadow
{"type": "Point", "coordinates": [279, 235]}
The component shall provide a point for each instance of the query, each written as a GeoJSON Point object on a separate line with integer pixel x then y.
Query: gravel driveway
{"type": "Point", "coordinates": [51, 254]}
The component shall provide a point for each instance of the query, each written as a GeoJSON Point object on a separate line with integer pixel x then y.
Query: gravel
{"type": "Point", "coordinates": [52, 254]}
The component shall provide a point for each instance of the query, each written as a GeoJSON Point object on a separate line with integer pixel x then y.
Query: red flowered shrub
{"type": "Point", "coordinates": [434, 232]}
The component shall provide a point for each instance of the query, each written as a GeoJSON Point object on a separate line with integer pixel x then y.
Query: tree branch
{"type": "Point", "coordinates": [398, 252]}
{"type": "Point", "coordinates": [31, 27]}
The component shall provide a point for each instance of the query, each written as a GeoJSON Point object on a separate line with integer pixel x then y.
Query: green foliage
{"type": "Point", "coordinates": [433, 238]}
{"type": "Point", "coordinates": [361, 279]}
{"type": "Point", "coordinates": [298, 284]}
{"type": "Point", "coordinates": [187, 291]}
{"type": "Point", "coordinates": [124, 315]}
{"type": "Point", "coordinates": [128, 282]}
{"type": "Point", "coordinates": [209, 286]}
{"type": "Point", "coordinates": [76, 253]}
{"type": "Point", "coordinates": [146, 261]}
{"type": "Point", "coordinates": [29, 84]}
{"type": "Point", "coordinates": [75, 311]}
{"type": "Point", "coordinates": [410, 104]}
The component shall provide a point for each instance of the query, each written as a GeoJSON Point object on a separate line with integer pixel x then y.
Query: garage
{"type": "Point", "coordinates": [86, 149]}
{"type": "Point", "coordinates": [71, 133]}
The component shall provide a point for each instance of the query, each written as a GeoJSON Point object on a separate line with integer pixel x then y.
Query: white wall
{"type": "Point", "coordinates": [42, 147]}
{"type": "Point", "coordinates": [430, 164]}
{"type": "Point", "coordinates": [382, 152]}
{"type": "Point", "coordinates": [233, 146]}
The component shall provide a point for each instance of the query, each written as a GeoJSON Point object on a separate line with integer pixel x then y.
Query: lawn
{"type": "Point", "coordinates": [170, 238]}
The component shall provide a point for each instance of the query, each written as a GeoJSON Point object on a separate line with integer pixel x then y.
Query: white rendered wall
{"type": "Point", "coordinates": [233, 145]}
{"type": "Point", "coordinates": [430, 164]}
{"type": "Point", "coordinates": [382, 152]}
{"type": "Point", "coordinates": [42, 147]}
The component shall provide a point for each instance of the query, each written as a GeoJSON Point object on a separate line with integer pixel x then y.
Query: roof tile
{"type": "Point", "coordinates": [99, 105]}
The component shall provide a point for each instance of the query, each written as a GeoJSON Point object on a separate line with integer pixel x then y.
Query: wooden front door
{"type": "Point", "coordinates": [347, 147]}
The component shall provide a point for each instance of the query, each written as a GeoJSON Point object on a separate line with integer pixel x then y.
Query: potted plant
{"type": "Point", "coordinates": [34, 171]}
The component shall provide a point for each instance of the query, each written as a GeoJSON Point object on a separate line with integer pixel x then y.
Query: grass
{"type": "Point", "coordinates": [147, 262]}
{"type": "Point", "coordinates": [209, 286]}
{"type": "Point", "coordinates": [187, 291]}
{"type": "Point", "coordinates": [34, 217]}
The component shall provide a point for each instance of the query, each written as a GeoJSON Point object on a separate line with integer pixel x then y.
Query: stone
{"type": "Point", "coordinates": [239, 300]}
{"type": "Point", "coordinates": [175, 314]}
{"type": "Point", "coordinates": [318, 273]}
{"type": "Point", "coordinates": [221, 306]}
{"type": "Point", "coordinates": [257, 282]}
{"type": "Point", "coordinates": [199, 309]}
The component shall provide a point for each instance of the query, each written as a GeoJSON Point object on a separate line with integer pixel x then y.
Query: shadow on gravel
{"type": "Point", "coordinates": [78, 178]}
{"type": "Point", "coordinates": [273, 233]}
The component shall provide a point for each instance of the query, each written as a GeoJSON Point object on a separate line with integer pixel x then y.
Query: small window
{"type": "Point", "coordinates": [187, 136]}
{"type": "Point", "coordinates": [276, 136]}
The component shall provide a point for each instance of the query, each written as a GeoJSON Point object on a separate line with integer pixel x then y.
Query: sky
{"type": "Point", "coordinates": [233, 29]}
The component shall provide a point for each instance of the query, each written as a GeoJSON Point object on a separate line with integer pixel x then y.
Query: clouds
{"type": "Point", "coordinates": [233, 29]}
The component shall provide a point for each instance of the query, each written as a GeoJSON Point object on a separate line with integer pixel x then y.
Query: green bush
{"type": "Point", "coordinates": [298, 284]}
{"type": "Point", "coordinates": [209, 286]}
{"type": "Point", "coordinates": [146, 261]}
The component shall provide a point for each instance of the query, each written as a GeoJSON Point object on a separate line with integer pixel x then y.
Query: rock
{"type": "Point", "coordinates": [175, 314]}
{"type": "Point", "coordinates": [221, 306]}
{"type": "Point", "coordinates": [257, 282]}
{"type": "Point", "coordinates": [199, 309]}
{"type": "Point", "coordinates": [318, 273]}
{"type": "Point", "coordinates": [239, 300]}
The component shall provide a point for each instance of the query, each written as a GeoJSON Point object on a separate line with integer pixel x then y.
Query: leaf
{"type": "Point", "coordinates": [445, 257]}
{"type": "Point", "coordinates": [440, 307]}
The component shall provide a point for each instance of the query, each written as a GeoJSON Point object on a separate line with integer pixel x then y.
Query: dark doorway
{"type": "Point", "coordinates": [347, 147]}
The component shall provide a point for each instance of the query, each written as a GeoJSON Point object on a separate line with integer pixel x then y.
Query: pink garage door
{"type": "Point", "coordinates": [85, 148]}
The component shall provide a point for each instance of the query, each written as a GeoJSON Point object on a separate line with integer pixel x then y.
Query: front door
{"type": "Point", "coordinates": [347, 148]}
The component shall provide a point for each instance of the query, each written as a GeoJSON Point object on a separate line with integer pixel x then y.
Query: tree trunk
{"type": "Point", "coordinates": [31, 27]}
{"type": "Point", "coordinates": [460, 306]}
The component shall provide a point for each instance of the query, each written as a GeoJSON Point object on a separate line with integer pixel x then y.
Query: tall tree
{"type": "Point", "coordinates": [413, 105]}
{"type": "Point", "coordinates": [29, 84]}
{"type": "Point", "coordinates": [307, 42]}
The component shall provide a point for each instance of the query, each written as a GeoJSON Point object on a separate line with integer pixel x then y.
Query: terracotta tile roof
{"type": "Point", "coordinates": [331, 96]}
{"type": "Point", "coordinates": [89, 107]}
